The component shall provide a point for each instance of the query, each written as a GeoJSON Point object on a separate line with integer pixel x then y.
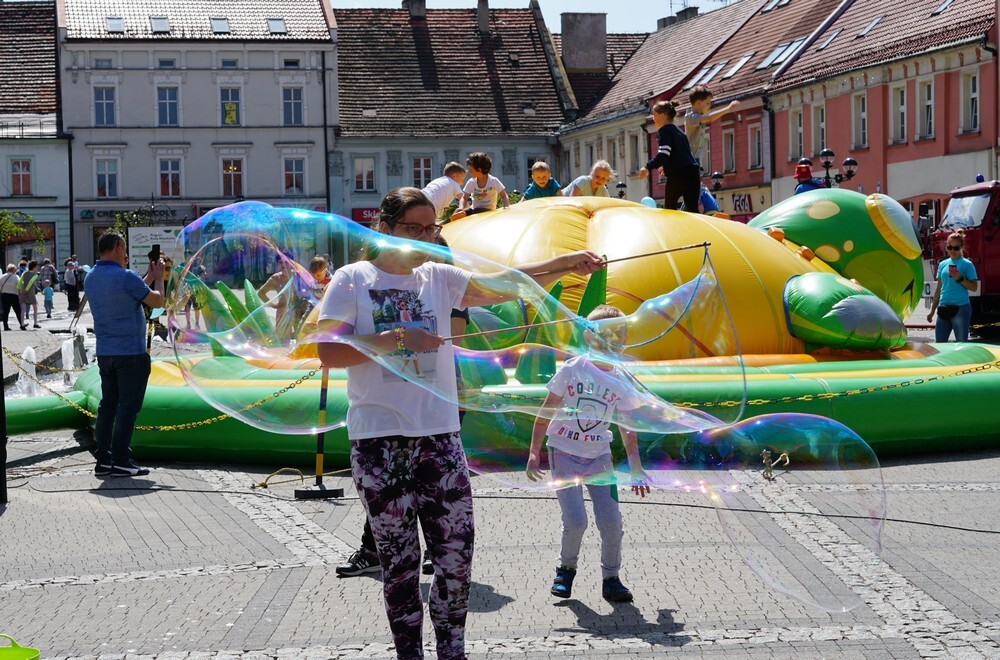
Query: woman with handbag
{"type": "Point", "coordinates": [956, 277]}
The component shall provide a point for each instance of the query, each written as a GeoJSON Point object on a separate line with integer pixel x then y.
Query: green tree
{"type": "Point", "coordinates": [17, 226]}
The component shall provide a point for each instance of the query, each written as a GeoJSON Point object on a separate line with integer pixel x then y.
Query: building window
{"type": "Point", "coordinates": [295, 176]}
{"type": "Point", "coordinates": [756, 146]}
{"type": "Point", "coordinates": [230, 97]}
{"type": "Point", "coordinates": [167, 63]}
{"type": "Point", "coordinates": [107, 177]}
{"type": "Point", "coordinates": [232, 177]}
{"type": "Point", "coordinates": [819, 129]}
{"type": "Point", "coordinates": [166, 106]}
{"type": "Point", "coordinates": [104, 106]}
{"type": "Point", "coordinates": [102, 63]}
{"type": "Point", "coordinates": [590, 155]}
{"type": "Point", "coordinates": [115, 24]}
{"type": "Point", "coordinates": [364, 174]}
{"type": "Point", "coordinates": [796, 142]}
{"type": "Point", "coordinates": [20, 177]}
{"type": "Point", "coordinates": [898, 113]}
{"type": "Point", "coordinates": [276, 26]}
{"type": "Point", "coordinates": [970, 103]}
{"type": "Point", "coordinates": [422, 172]}
{"type": "Point", "coordinates": [228, 63]}
{"type": "Point", "coordinates": [291, 64]}
{"type": "Point", "coordinates": [170, 177]}
{"type": "Point", "coordinates": [611, 153]}
{"type": "Point", "coordinates": [220, 25]}
{"type": "Point", "coordinates": [291, 106]}
{"type": "Point", "coordinates": [634, 154]}
{"type": "Point", "coordinates": [729, 150]}
{"type": "Point", "coordinates": [159, 24]}
{"type": "Point", "coordinates": [926, 96]}
{"type": "Point", "coordinates": [860, 121]}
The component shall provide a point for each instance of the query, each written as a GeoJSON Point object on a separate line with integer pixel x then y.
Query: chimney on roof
{"type": "Point", "coordinates": [483, 16]}
{"type": "Point", "coordinates": [417, 8]}
{"type": "Point", "coordinates": [585, 42]}
{"type": "Point", "coordinates": [687, 13]}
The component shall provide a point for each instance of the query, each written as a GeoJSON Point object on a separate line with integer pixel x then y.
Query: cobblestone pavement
{"type": "Point", "coordinates": [191, 562]}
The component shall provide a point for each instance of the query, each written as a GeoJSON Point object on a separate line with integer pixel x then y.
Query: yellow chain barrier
{"type": "Point", "coordinates": [38, 365]}
{"type": "Point", "coordinates": [175, 427]}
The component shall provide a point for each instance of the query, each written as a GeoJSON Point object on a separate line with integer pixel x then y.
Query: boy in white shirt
{"type": "Point", "coordinates": [585, 396]}
{"type": "Point", "coordinates": [482, 190]}
{"type": "Point", "coordinates": [444, 190]}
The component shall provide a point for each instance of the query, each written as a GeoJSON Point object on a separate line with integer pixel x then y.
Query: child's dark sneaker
{"type": "Point", "coordinates": [562, 586]}
{"type": "Point", "coordinates": [102, 470]}
{"type": "Point", "coordinates": [359, 563]}
{"type": "Point", "coordinates": [614, 591]}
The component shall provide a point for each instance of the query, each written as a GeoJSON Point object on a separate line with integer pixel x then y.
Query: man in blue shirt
{"type": "Point", "coordinates": [116, 296]}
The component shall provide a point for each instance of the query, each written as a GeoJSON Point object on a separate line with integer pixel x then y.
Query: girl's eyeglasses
{"type": "Point", "coordinates": [416, 230]}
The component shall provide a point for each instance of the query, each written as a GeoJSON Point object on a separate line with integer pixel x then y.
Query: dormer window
{"type": "Point", "coordinates": [277, 26]}
{"type": "Point", "coordinates": [116, 24]}
{"type": "Point", "coordinates": [220, 25]}
{"type": "Point", "coordinates": [160, 24]}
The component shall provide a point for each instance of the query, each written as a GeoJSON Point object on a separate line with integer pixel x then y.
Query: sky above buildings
{"type": "Point", "coordinates": [630, 16]}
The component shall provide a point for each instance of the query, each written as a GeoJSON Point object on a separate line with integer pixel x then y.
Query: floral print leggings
{"type": "Point", "coordinates": [401, 479]}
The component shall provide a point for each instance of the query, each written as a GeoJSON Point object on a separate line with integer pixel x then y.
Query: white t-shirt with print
{"type": "Point", "coordinates": [485, 197]}
{"type": "Point", "coordinates": [591, 397]}
{"type": "Point", "coordinates": [442, 191]}
{"type": "Point", "coordinates": [381, 402]}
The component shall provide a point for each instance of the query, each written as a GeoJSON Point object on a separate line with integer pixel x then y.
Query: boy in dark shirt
{"type": "Point", "coordinates": [674, 156]}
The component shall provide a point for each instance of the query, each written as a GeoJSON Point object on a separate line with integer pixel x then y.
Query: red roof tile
{"type": "Point", "coordinates": [904, 29]}
{"type": "Point", "coordinates": [761, 36]}
{"type": "Point", "coordinates": [28, 57]}
{"type": "Point", "coordinates": [668, 56]}
{"type": "Point", "coordinates": [189, 19]}
{"type": "Point", "coordinates": [438, 77]}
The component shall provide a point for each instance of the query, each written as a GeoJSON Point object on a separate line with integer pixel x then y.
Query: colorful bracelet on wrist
{"type": "Point", "coordinates": [400, 333]}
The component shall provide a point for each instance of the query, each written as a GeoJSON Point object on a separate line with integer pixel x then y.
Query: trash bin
{"type": "Point", "coordinates": [15, 652]}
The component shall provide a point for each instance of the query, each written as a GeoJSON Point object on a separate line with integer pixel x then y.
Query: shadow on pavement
{"type": "Point", "coordinates": [627, 620]}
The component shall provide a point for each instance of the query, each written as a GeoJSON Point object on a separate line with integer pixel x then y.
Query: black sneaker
{"type": "Point", "coordinates": [427, 567]}
{"type": "Point", "coordinates": [102, 470]}
{"type": "Point", "coordinates": [562, 586]}
{"type": "Point", "coordinates": [614, 591]}
{"type": "Point", "coordinates": [359, 563]}
{"type": "Point", "coordinates": [130, 470]}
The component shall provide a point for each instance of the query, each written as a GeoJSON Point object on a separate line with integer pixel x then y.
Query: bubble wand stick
{"type": "Point", "coordinates": [558, 321]}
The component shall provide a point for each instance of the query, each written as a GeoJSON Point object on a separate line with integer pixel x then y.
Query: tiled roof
{"type": "Point", "coordinates": [587, 86]}
{"type": "Point", "coordinates": [28, 57]}
{"type": "Point", "coordinates": [904, 29]}
{"type": "Point", "coordinates": [669, 55]}
{"type": "Point", "coordinates": [762, 35]}
{"type": "Point", "coordinates": [189, 19]}
{"type": "Point", "coordinates": [438, 77]}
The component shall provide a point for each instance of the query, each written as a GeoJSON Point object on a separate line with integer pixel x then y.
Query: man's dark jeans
{"type": "Point", "coordinates": [123, 387]}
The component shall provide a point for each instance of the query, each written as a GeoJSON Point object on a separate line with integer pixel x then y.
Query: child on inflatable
{"type": "Point", "coordinates": [482, 190]}
{"type": "Point", "coordinates": [593, 184]}
{"type": "Point", "coordinates": [542, 183]}
{"type": "Point", "coordinates": [444, 190]}
{"type": "Point", "coordinates": [675, 157]}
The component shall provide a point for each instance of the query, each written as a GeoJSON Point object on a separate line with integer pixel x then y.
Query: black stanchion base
{"type": "Point", "coordinates": [318, 493]}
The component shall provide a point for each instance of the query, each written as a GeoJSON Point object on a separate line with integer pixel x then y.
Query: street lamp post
{"type": "Point", "coordinates": [850, 166]}
{"type": "Point", "coordinates": [622, 187]}
{"type": "Point", "coordinates": [717, 178]}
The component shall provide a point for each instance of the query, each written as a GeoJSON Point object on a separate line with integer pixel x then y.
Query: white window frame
{"type": "Point", "coordinates": [925, 109]}
{"type": "Point", "coordinates": [818, 128]}
{"type": "Point", "coordinates": [176, 103]}
{"type": "Point", "coordinates": [114, 105]}
{"type": "Point", "coordinates": [611, 152]}
{"type": "Point", "coordinates": [428, 166]}
{"type": "Point", "coordinates": [357, 164]}
{"type": "Point", "coordinates": [971, 106]}
{"type": "Point", "coordinates": [898, 114]}
{"type": "Point", "coordinates": [796, 133]}
{"type": "Point", "coordinates": [635, 152]}
{"type": "Point", "coordinates": [30, 173]}
{"type": "Point", "coordinates": [728, 150]}
{"type": "Point", "coordinates": [117, 174]}
{"type": "Point", "coordinates": [285, 104]}
{"type": "Point", "coordinates": [239, 106]}
{"type": "Point", "coordinates": [755, 147]}
{"type": "Point", "coordinates": [180, 176]}
{"type": "Point", "coordinates": [222, 175]}
{"type": "Point", "coordinates": [859, 120]}
{"type": "Point", "coordinates": [284, 175]}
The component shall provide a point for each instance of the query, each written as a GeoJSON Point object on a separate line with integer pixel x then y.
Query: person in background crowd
{"type": "Point", "coordinates": [9, 297]}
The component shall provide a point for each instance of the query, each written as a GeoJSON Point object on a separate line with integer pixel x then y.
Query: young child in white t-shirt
{"type": "Point", "coordinates": [482, 190]}
{"type": "Point", "coordinates": [585, 397]}
{"type": "Point", "coordinates": [444, 190]}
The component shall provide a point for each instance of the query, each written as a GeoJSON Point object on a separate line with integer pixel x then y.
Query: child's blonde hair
{"type": "Point", "coordinates": [453, 168]}
{"type": "Point", "coordinates": [540, 166]}
{"type": "Point", "coordinates": [603, 165]}
{"type": "Point", "coordinates": [602, 312]}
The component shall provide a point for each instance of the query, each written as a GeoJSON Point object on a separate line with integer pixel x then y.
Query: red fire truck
{"type": "Point", "coordinates": [976, 209]}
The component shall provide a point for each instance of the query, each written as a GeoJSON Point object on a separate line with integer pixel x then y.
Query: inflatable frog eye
{"type": "Point", "coordinates": [894, 224]}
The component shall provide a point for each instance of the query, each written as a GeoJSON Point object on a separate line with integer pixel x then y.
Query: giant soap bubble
{"type": "Point", "coordinates": [519, 336]}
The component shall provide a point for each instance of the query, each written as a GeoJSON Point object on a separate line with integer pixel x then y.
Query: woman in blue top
{"type": "Point", "coordinates": [956, 277]}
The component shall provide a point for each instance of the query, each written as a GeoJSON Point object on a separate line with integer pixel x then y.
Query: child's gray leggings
{"type": "Point", "coordinates": [574, 512]}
